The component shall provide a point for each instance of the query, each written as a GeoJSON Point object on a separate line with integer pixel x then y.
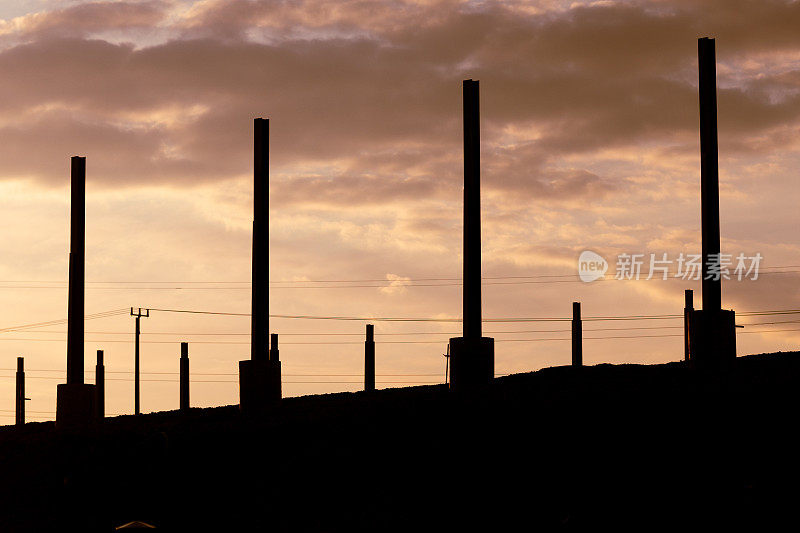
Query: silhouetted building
{"type": "Point", "coordinates": [472, 355]}
{"type": "Point", "coordinates": [712, 339]}
{"type": "Point", "coordinates": [260, 376]}
{"type": "Point", "coordinates": [75, 399]}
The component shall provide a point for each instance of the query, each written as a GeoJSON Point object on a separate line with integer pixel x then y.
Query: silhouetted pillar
{"type": "Point", "coordinates": [77, 251]}
{"type": "Point", "coordinates": [577, 335]}
{"type": "Point", "coordinates": [259, 322]}
{"type": "Point", "coordinates": [709, 172]}
{"type": "Point", "coordinates": [75, 399]}
{"type": "Point", "coordinates": [688, 308]}
{"type": "Point", "coordinates": [472, 356]}
{"type": "Point", "coordinates": [712, 341]}
{"type": "Point", "coordinates": [369, 359]}
{"type": "Point", "coordinates": [100, 385]}
{"type": "Point", "coordinates": [274, 391]}
{"type": "Point", "coordinates": [260, 376]}
{"type": "Point", "coordinates": [20, 391]}
{"type": "Point", "coordinates": [472, 326]}
{"type": "Point", "coordinates": [184, 393]}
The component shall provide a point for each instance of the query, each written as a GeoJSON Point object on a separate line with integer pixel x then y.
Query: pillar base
{"type": "Point", "coordinates": [75, 406]}
{"type": "Point", "coordinates": [471, 362]}
{"type": "Point", "coordinates": [712, 338]}
{"type": "Point", "coordinates": [259, 384]}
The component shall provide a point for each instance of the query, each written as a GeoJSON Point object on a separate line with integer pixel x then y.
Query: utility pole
{"type": "Point", "coordinates": [138, 314]}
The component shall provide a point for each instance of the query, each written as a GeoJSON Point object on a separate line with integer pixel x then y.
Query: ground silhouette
{"type": "Point", "coordinates": [561, 449]}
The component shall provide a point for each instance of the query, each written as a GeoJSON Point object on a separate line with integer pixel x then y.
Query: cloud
{"type": "Point", "coordinates": [584, 79]}
{"type": "Point", "coordinates": [85, 19]}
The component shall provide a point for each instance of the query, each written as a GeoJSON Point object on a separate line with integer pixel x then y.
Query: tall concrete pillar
{"type": "Point", "coordinates": [472, 355]}
{"type": "Point", "coordinates": [77, 251]}
{"type": "Point", "coordinates": [184, 379]}
{"type": "Point", "coordinates": [369, 359]}
{"type": "Point", "coordinates": [100, 385]}
{"type": "Point", "coordinates": [709, 172]}
{"type": "Point", "coordinates": [259, 322]}
{"type": "Point", "coordinates": [712, 342]}
{"type": "Point", "coordinates": [20, 411]}
{"type": "Point", "coordinates": [577, 335]}
{"type": "Point", "coordinates": [260, 376]}
{"type": "Point", "coordinates": [75, 404]}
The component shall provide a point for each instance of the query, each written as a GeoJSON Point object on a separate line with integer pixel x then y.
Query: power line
{"type": "Point", "coordinates": [104, 314]}
{"type": "Point", "coordinates": [407, 333]}
{"type": "Point", "coordinates": [58, 283]}
{"type": "Point", "coordinates": [359, 334]}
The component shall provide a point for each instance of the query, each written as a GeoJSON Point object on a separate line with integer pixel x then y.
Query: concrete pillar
{"type": "Point", "coordinates": [259, 322]}
{"type": "Point", "coordinates": [20, 411]}
{"type": "Point", "coordinates": [472, 356]}
{"type": "Point", "coordinates": [369, 359]}
{"type": "Point", "coordinates": [184, 370]}
{"type": "Point", "coordinates": [259, 377]}
{"type": "Point", "coordinates": [472, 326]}
{"type": "Point", "coordinates": [688, 308]}
{"type": "Point", "coordinates": [275, 387]}
{"type": "Point", "coordinates": [709, 170]}
{"type": "Point", "coordinates": [75, 404]}
{"type": "Point", "coordinates": [77, 251]}
{"type": "Point", "coordinates": [577, 335]}
{"type": "Point", "coordinates": [100, 385]}
{"type": "Point", "coordinates": [712, 342]}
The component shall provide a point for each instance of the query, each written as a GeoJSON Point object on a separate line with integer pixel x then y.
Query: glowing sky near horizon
{"type": "Point", "coordinates": [590, 142]}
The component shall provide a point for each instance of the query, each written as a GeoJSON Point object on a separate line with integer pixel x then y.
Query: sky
{"type": "Point", "coordinates": [590, 141]}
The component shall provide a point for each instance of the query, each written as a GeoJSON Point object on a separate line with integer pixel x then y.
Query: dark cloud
{"type": "Point", "coordinates": [377, 86]}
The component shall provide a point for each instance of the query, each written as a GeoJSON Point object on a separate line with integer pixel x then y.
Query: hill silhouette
{"type": "Point", "coordinates": [560, 449]}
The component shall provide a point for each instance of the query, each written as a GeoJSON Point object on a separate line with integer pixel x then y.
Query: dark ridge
{"type": "Point", "coordinates": [560, 449]}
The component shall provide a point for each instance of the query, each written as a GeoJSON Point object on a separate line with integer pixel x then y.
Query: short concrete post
{"type": "Point", "coordinates": [20, 391]}
{"type": "Point", "coordinates": [369, 359]}
{"type": "Point", "coordinates": [100, 386]}
{"type": "Point", "coordinates": [275, 392]}
{"type": "Point", "coordinates": [184, 393]}
{"type": "Point", "coordinates": [577, 335]}
{"type": "Point", "coordinates": [688, 307]}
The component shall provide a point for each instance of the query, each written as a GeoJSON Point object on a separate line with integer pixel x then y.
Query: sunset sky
{"type": "Point", "coordinates": [590, 141]}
